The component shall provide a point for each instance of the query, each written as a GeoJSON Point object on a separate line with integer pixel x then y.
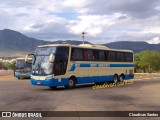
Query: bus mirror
{"type": "Point", "coordinates": [51, 58]}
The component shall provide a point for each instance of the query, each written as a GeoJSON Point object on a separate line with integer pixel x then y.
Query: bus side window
{"type": "Point", "coordinates": [96, 55]}
{"type": "Point", "coordinates": [111, 56]}
{"type": "Point", "coordinates": [85, 55]}
{"type": "Point", "coordinates": [128, 57]}
{"type": "Point", "coordinates": [120, 57]}
{"type": "Point", "coordinates": [90, 55]}
{"type": "Point", "coordinates": [106, 55]}
{"type": "Point", "coordinates": [77, 54]}
{"type": "Point", "coordinates": [101, 55]}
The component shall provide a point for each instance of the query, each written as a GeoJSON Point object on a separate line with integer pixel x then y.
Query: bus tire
{"type": "Point", "coordinates": [52, 87]}
{"type": "Point", "coordinates": [71, 83]}
{"type": "Point", "coordinates": [115, 78]}
{"type": "Point", "coordinates": [121, 78]}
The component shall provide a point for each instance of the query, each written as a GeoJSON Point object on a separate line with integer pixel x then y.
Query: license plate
{"type": "Point", "coordinates": [38, 83]}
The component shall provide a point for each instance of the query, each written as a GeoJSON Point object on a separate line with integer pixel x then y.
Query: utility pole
{"type": "Point", "coordinates": [83, 36]}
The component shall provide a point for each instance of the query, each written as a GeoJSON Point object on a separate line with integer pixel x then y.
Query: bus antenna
{"type": "Point", "coordinates": [83, 36]}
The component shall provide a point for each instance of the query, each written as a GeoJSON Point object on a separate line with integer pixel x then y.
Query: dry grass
{"type": "Point", "coordinates": [6, 75]}
{"type": "Point", "coordinates": [5, 72]}
{"type": "Point", "coordinates": [146, 75]}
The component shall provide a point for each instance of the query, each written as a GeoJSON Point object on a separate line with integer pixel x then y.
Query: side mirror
{"type": "Point", "coordinates": [28, 58]}
{"type": "Point", "coordinates": [51, 58]}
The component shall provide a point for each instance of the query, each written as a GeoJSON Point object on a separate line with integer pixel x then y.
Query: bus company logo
{"type": "Point", "coordinates": [93, 65]}
{"type": "Point", "coordinates": [103, 65]}
{"type": "Point", "coordinates": [6, 114]}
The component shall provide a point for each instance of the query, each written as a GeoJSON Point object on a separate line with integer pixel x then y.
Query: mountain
{"type": "Point", "coordinates": [134, 45]}
{"type": "Point", "coordinates": [13, 43]}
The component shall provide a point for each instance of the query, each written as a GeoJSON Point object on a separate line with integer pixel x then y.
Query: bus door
{"type": "Point", "coordinates": [61, 60]}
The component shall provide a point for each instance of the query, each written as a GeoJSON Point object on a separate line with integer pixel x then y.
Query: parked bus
{"type": "Point", "coordinates": [68, 65]}
{"type": "Point", "coordinates": [22, 69]}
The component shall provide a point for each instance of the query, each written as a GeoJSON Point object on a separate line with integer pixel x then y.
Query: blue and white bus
{"type": "Point", "coordinates": [22, 69]}
{"type": "Point", "coordinates": [68, 65]}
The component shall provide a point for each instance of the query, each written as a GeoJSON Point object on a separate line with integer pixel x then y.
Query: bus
{"type": "Point", "coordinates": [69, 65]}
{"type": "Point", "coordinates": [22, 69]}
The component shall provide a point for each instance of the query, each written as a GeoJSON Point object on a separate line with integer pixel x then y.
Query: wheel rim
{"type": "Point", "coordinates": [121, 79]}
{"type": "Point", "coordinates": [115, 79]}
{"type": "Point", "coordinates": [71, 83]}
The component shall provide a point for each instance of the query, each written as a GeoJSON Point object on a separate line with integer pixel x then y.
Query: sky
{"type": "Point", "coordinates": [104, 21]}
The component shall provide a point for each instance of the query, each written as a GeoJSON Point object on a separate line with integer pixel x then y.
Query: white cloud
{"type": "Point", "coordinates": [155, 40]}
{"type": "Point", "coordinates": [105, 21]}
{"type": "Point", "coordinates": [152, 30]}
{"type": "Point", "coordinates": [93, 24]}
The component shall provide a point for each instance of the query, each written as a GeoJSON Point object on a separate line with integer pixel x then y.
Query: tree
{"type": "Point", "coordinates": [11, 65]}
{"type": "Point", "coordinates": [148, 61]}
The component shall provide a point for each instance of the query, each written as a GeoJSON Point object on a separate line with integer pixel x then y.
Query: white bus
{"type": "Point", "coordinates": [68, 65]}
{"type": "Point", "coordinates": [22, 69]}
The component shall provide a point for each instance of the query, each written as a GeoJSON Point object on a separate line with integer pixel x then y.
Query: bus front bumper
{"type": "Point", "coordinates": [18, 75]}
{"type": "Point", "coordinates": [49, 82]}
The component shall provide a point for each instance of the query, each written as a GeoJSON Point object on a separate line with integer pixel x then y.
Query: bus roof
{"type": "Point", "coordinates": [22, 58]}
{"type": "Point", "coordinates": [100, 47]}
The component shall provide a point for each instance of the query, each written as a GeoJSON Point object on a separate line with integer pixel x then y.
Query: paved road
{"type": "Point", "coordinates": [20, 95]}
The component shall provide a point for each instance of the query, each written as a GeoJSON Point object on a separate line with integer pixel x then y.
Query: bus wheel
{"type": "Point", "coordinates": [121, 78]}
{"type": "Point", "coordinates": [71, 83]}
{"type": "Point", "coordinates": [115, 79]}
{"type": "Point", "coordinates": [53, 87]}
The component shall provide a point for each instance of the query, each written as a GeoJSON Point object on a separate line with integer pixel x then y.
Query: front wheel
{"type": "Point", "coordinates": [71, 83]}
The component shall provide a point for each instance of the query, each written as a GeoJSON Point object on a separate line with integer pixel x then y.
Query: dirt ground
{"type": "Point", "coordinates": [8, 75]}
{"type": "Point", "coordinates": [146, 75]}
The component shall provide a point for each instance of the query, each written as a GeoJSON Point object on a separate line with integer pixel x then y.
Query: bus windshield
{"type": "Point", "coordinates": [20, 64]}
{"type": "Point", "coordinates": [22, 67]}
{"type": "Point", "coordinates": [41, 63]}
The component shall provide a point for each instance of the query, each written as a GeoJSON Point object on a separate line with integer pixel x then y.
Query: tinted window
{"type": "Point", "coordinates": [90, 55]}
{"type": "Point", "coordinates": [128, 57]}
{"type": "Point", "coordinates": [61, 61]}
{"type": "Point", "coordinates": [77, 54]}
{"type": "Point", "coordinates": [96, 55]}
{"type": "Point", "coordinates": [101, 55]}
{"type": "Point", "coordinates": [120, 57]}
{"type": "Point", "coordinates": [111, 56]}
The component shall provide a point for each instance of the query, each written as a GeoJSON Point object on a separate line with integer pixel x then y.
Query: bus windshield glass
{"type": "Point", "coordinates": [22, 67]}
{"type": "Point", "coordinates": [20, 64]}
{"type": "Point", "coordinates": [41, 63]}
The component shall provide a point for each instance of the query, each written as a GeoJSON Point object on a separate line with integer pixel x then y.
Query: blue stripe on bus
{"type": "Point", "coordinates": [97, 65]}
{"type": "Point", "coordinates": [17, 75]}
{"type": "Point", "coordinates": [80, 80]}
{"type": "Point", "coordinates": [72, 67]}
